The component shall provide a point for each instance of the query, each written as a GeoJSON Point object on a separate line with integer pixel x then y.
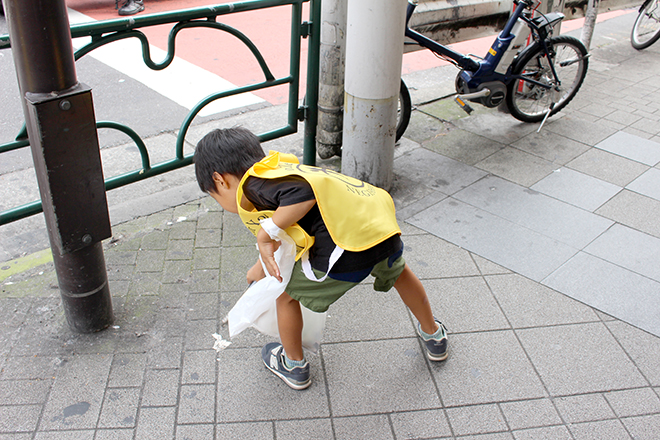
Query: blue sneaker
{"type": "Point", "coordinates": [436, 349]}
{"type": "Point", "coordinates": [273, 356]}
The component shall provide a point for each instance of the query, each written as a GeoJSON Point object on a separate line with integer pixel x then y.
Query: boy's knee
{"type": "Point", "coordinates": [284, 299]}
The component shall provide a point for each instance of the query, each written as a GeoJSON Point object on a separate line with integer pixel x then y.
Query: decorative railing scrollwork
{"type": "Point", "coordinates": [109, 31]}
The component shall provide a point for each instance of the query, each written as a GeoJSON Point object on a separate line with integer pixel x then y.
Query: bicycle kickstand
{"type": "Point", "coordinates": [547, 114]}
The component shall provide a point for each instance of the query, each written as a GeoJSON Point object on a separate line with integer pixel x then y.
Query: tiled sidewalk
{"type": "Point", "coordinates": [509, 249]}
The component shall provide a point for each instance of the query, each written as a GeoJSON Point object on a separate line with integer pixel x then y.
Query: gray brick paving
{"type": "Point", "coordinates": [539, 251]}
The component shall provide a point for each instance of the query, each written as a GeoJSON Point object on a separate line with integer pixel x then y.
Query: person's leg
{"type": "Point", "coordinates": [414, 296]}
{"type": "Point", "coordinates": [290, 325]}
{"type": "Point", "coordinates": [432, 332]}
{"type": "Point", "coordinates": [285, 359]}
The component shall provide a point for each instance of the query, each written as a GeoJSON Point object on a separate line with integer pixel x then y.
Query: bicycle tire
{"type": "Point", "coordinates": [530, 103]}
{"type": "Point", "coordinates": [646, 29]}
{"type": "Point", "coordinates": [403, 112]}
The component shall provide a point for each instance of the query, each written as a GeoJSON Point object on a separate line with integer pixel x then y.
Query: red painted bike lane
{"type": "Point", "coordinates": [225, 56]}
{"type": "Point", "coordinates": [216, 51]}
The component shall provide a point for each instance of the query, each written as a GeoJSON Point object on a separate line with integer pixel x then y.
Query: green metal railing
{"type": "Point", "coordinates": [106, 32]}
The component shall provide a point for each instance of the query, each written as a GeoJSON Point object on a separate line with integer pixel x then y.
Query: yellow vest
{"type": "Point", "coordinates": [358, 215]}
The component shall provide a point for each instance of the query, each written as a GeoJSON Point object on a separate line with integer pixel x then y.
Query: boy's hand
{"type": "Point", "coordinates": [283, 217]}
{"type": "Point", "coordinates": [255, 273]}
{"type": "Point", "coordinates": [267, 247]}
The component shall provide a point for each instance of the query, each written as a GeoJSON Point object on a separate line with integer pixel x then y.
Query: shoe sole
{"type": "Point", "coordinates": [294, 385]}
{"type": "Point", "coordinates": [437, 358]}
{"type": "Point", "coordinates": [124, 14]}
{"type": "Point", "coordinates": [429, 355]}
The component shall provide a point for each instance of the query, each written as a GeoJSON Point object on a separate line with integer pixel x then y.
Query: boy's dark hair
{"type": "Point", "coordinates": [225, 151]}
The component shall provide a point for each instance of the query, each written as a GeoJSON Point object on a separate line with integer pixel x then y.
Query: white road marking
{"type": "Point", "coordinates": [182, 82]}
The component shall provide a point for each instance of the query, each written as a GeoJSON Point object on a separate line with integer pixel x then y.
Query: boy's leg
{"type": "Point", "coordinates": [274, 354]}
{"type": "Point", "coordinates": [430, 330]}
{"type": "Point", "coordinates": [414, 296]}
{"type": "Point", "coordinates": [290, 325]}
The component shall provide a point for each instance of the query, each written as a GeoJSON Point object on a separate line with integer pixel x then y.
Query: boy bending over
{"type": "Point", "coordinates": [344, 229]}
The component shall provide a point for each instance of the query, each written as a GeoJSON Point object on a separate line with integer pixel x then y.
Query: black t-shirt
{"type": "Point", "coordinates": [269, 194]}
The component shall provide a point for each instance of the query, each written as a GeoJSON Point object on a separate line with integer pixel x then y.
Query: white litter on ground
{"type": "Point", "coordinates": [220, 344]}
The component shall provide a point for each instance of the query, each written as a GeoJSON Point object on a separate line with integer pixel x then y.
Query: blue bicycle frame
{"type": "Point", "coordinates": [485, 79]}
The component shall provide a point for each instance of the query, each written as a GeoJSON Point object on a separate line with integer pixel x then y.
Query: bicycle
{"type": "Point", "coordinates": [646, 29]}
{"type": "Point", "coordinates": [533, 80]}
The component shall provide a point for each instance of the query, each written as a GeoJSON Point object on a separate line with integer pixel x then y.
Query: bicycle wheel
{"type": "Point", "coordinates": [529, 102]}
{"type": "Point", "coordinates": [646, 29]}
{"type": "Point", "coordinates": [403, 111]}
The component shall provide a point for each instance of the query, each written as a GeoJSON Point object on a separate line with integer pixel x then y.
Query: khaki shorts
{"type": "Point", "coordinates": [319, 296]}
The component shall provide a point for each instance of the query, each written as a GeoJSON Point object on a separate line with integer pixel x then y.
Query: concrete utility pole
{"type": "Point", "coordinates": [374, 49]}
{"type": "Point", "coordinates": [589, 22]}
{"type": "Point", "coordinates": [331, 77]}
{"type": "Point", "coordinates": [65, 149]}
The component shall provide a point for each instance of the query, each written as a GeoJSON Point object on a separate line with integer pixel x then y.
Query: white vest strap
{"type": "Point", "coordinates": [307, 267]}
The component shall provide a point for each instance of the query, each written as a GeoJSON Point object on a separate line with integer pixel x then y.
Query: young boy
{"type": "Point", "coordinates": [343, 227]}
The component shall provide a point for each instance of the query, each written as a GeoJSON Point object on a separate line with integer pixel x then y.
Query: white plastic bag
{"type": "Point", "coordinates": [256, 307]}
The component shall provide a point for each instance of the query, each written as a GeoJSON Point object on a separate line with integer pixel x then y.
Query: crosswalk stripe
{"type": "Point", "coordinates": [182, 82]}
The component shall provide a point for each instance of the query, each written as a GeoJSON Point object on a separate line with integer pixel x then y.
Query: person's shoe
{"type": "Point", "coordinates": [273, 356]}
{"type": "Point", "coordinates": [436, 349]}
{"type": "Point", "coordinates": [131, 7]}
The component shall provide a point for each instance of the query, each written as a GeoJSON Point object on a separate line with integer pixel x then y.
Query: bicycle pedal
{"type": "Point", "coordinates": [464, 105]}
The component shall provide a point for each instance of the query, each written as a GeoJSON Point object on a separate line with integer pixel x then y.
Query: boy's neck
{"type": "Point", "coordinates": [246, 204]}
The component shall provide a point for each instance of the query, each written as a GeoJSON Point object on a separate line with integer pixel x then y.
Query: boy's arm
{"type": "Point", "coordinates": [255, 273]}
{"type": "Point", "coordinates": [283, 217]}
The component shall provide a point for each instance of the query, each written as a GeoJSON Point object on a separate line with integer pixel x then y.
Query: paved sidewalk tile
{"type": "Point", "coordinates": [256, 389]}
{"type": "Point", "coordinates": [648, 184]}
{"type": "Point", "coordinates": [471, 376]}
{"type": "Point", "coordinates": [465, 305]}
{"type": "Point", "coordinates": [605, 429]}
{"type": "Point", "coordinates": [642, 347]}
{"type": "Point", "coordinates": [421, 424]}
{"type": "Point", "coordinates": [628, 248]}
{"type": "Point", "coordinates": [580, 131]}
{"type": "Point", "coordinates": [584, 408]}
{"type": "Point", "coordinates": [578, 189]}
{"type": "Point", "coordinates": [320, 429]}
{"type": "Point", "coordinates": [463, 146]}
{"type": "Point", "coordinates": [432, 257]}
{"type": "Point", "coordinates": [528, 414]}
{"type": "Point", "coordinates": [259, 430]}
{"type": "Point", "coordinates": [542, 214]}
{"type": "Point", "coordinates": [551, 146]}
{"type": "Point", "coordinates": [499, 240]}
{"type": "Point", "coordinates": [578, 359]}
{"type": "Point", "coordinates": [437, 172]}
{"type": "Point", "coordinates": [610, 288]}
{"type": "Point", "coordinates": [529, 304]}
{"type": "Point", "coordinates": [155, 423]}
{"type": "Point", "coordinates": [633, 147]}
{"type": "Point", "coordinates": [634, 210]}
{"type": "Point", "coordinates": [474, 420]}
{"type": "Point", "coordinates": [608, 167]}
{"type": "Point", "coordinates": [378, 377]}
{"type": "Point", "coordinates": [516, 166]}
{"type": "Point", "coordinates": [644, 427]}
{"type": "Point", "coordinates": [356, 428]}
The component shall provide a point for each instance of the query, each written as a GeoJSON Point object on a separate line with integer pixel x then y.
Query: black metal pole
{"type": "Point", "coordinates": [62, 130]}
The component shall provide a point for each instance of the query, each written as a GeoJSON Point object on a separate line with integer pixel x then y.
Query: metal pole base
{"type": "Point", "coordinates": [84, 289]}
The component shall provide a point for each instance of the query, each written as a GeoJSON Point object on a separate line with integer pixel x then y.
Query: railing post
{"type": "Point", "coordinates": [62, 130]}
{"type": "Point", "coordinates": [311, 97]}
